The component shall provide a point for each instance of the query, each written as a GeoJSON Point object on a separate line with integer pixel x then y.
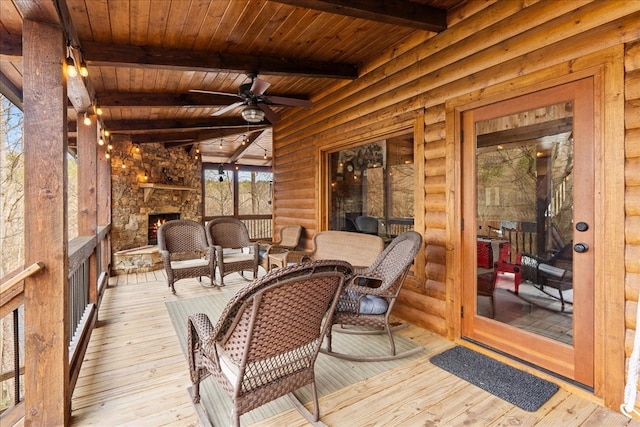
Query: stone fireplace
{"type": "Point", "coordinates": [155, 184]}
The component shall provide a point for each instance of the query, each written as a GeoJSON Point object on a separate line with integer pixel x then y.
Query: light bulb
{"type": "Point", "coordinates": [84, 72]}
{"type": "Point", "coordinates": [71, 67]}
{"type": "Point", "coordinates": [110, 147]}
{"type": "Point", "coordinates": [106, 133]}
{"type": "Point", "coordinates": [100, 140]}
{"type": "Point", "coordinates": [107, 155]}
{"type": "Point", "coordinates": [98, 110]}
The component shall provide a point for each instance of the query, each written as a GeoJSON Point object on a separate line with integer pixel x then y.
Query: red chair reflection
{"type": "Point", "coordinates": [503, 265]}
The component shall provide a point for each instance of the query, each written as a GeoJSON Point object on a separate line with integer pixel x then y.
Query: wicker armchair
{"type": "Point", "coordinates": [265, 343]}
{"type": "Point", "coordinates": [235, 252]}
{"type": "Point", "coordinates": [185, 251]}
{"type": "Point", "coordinates": [289, 237]}
{"type": "Point", "coordinates": [369, 297]}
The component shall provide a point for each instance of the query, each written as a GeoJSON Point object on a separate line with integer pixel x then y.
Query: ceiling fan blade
{"type": "Point", "coordinates": [259, 86]}
{"type": "Point", "coordinates": [227, 108]}
{"type": "Point", "coordinates": [211, 92]}
{"type": "Point", "coordinates": [291, 102]}
{"type": "Point", "coordinates": [269, 113]}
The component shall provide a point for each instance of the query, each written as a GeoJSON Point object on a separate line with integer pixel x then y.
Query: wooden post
{"type": "Point", "coordinates": [48, 397]}
{"type": "Point", "coordinates": [87, 201]}
{"type": "Point", "coordinates": [103, 202]}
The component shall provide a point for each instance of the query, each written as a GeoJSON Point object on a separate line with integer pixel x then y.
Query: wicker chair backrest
{"type": "Point", "coordinates": [290, 236]}
{"type": "Point", "coordinates": [228, 233]}
{"type": "Point", "coordinates": [182, 235]}
{"type": "Point", "coordinates": [228, 318]}
{"type": "Point", "coordinates": [393, 263]}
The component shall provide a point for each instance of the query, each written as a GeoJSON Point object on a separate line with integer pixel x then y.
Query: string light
{"type": "Point", "coordinates": [84, 72]}
{"type": "Point", "coordinates": [87, 119]}
{"type": "Point", "coordinates": [70, 64]}
{"type": "Point", "coordinates": [100, 141]}
{"type": "Point", "coordinates": [265, 154]}
{"type": "Point", "coordinates": [98, 111]}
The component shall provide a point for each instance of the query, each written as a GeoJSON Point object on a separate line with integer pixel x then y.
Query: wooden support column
{"type": "Point", "coordinates": [87, 201]}
{"type": "Point", "coordinates": [103, 202]}
{"type": "Point", "coordinates": [47, 397]}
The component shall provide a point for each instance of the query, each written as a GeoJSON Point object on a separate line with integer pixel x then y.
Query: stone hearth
{"type": "Point", "coordinates": [138, 260]}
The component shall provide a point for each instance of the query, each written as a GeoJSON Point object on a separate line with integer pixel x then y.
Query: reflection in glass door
{"type": "Point", "coordinates": [528, 210]}
{"type": "Point", "coordinates": [524, 214]}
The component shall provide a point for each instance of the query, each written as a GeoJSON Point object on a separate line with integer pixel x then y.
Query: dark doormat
{"type": "Point", "coordinates": [513, 385]}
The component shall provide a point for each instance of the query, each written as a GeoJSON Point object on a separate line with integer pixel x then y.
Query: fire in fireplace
{"type": "Point", "coordinates": [155, 221]}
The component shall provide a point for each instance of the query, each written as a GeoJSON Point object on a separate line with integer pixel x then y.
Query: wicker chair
{"type": "Point", "coordinates": [289, 237]}
{"type": "Point", "coordinates": [265, 343]}
{"type": "Point", "coordinates": [185, 251]}
{"type": "Point", "coordinates": [370, 295]}
{"type": "Point", "coordinates": [235, 252]}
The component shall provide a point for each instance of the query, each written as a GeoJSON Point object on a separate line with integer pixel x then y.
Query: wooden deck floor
{"type": "Point", "coordinates": [134, 374]}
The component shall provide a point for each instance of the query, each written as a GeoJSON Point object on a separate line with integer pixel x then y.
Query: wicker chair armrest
{"type": "Point", "coordinates": [365, 285]}
{"type": "Point", "coordinates": [164, 254]}
{"type": "Point", "coordinates": [298, 257]}
{"type": "Point", "coordinates": [203, 328]}
{"type": "Point", "coordinates": [276, 249]}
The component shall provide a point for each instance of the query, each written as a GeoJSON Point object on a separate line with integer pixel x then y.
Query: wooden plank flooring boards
{"type": "Point", "coordinates": [135, 374]}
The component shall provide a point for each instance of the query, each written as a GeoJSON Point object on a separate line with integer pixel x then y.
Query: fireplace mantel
{"type": "Point", "coordinates": [150, 188]}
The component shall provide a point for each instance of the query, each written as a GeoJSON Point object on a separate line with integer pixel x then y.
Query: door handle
{"type": "Point", "coordinates": [581, 247]}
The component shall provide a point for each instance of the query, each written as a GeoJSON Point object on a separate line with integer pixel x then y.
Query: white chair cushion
{"type": "Point", "coordinates": [189, 263]}
{"type": "Point", "coordinates": [237, 257]}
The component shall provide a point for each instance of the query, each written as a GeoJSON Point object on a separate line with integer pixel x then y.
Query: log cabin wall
{"type": "Point", "coordinates": [632, 193]}
{"type": "Point", "coordinates": [489, 47]}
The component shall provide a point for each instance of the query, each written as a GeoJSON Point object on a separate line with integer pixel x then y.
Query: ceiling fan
{"type": "Point", "coordinates": [252, 95]}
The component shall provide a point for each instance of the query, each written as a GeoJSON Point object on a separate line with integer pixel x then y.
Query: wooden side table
{"type": "Point", "coordinates": [278, 260]}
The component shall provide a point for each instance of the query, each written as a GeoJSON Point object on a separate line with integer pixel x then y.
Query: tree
{"type": "Point", "coordinates": [11, 227]}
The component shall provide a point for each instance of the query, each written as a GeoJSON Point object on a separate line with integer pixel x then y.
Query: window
{"type": "Point", "coordinates": [371, 188]}
{"type": "Point", "coordinates": [218, 192]}
{"type": "Point", "coordinates": [254, 193]}
{"type": "Point", "coordinates": [244, 193]}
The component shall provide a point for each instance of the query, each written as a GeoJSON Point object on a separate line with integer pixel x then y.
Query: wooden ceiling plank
{"type": "Point", "coordinates": [399, 12]}
{"type": "Point", "coordinates": [210, 23]}
{"type": "Point", "coordinates": [140, 22]}
{"type": "Point", "coordinates": [119, 17]}
{"type": "Point", "coordinates": [100, 54]}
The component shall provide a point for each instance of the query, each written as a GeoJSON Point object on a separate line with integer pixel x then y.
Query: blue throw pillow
{"type": "Point", "coordinates": [372, 304]}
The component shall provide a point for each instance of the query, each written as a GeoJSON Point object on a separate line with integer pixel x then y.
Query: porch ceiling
{"type": "Point", "coordinates": [145, 56]}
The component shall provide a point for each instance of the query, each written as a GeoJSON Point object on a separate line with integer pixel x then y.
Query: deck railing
{"type": "Point", "coordinates": [88, 277]}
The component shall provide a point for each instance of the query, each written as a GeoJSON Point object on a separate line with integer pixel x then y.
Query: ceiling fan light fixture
{"type": "Point", "coordinates": [252, 114]}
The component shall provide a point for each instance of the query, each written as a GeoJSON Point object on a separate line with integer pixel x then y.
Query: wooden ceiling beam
{"type": "Point", "coordinates": [399, 12]}
{"type": "Point", "coordinates": [133, 126]}
{"type": "Point", "coordinates": [177, 139]}
{"type": "Point", "coordinates": [240, 151]}
{"type": "Point", "coordinates": [126, 99]}
{"type": "Point", "coordinates": [101, 54]}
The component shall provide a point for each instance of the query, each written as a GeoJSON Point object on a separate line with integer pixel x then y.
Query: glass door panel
{"type": "Point", "coordinates": [528, 209]}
